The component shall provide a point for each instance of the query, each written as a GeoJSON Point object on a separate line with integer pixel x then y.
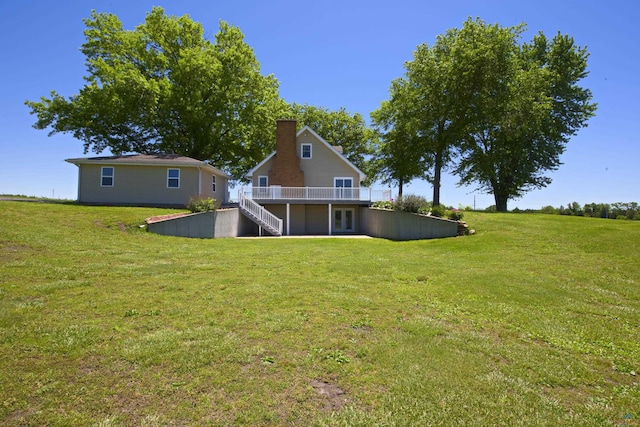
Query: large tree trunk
{"type": "Point", "coordinates": [400, 184]}
{"type": "Point", "coordinates": [436, 178]}
{"type": "Point", "coordinates": [501, 202]}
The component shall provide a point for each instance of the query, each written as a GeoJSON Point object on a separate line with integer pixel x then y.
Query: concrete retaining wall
{"type": "Point", "coordinates": [393, 225]}
{"type": "Point", "coordinates": [203, 225]}
{"type": "Point", "coordinates": [397, 225]}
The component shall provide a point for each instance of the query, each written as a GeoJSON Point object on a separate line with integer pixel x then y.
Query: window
{"type": "Point", "coordinates": [173, 178]}
{"type": "Point", "coordinates": [263, 183]}
{"type": "Point", "coordinates": [106, 177]}
{"type": "Point", "coordinates": [214, 183]}
{"type": "Point", "coordinates": [343, 188]}
{"type": "Point", "coordinates": [306, 151]}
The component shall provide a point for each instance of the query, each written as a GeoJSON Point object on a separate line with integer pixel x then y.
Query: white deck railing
{"type": "Point", "coordinates": [260, 215]}
{"type": "Point", "coordinates": [360, 194]}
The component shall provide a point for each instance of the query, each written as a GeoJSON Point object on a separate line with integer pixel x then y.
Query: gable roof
{"type": "Point", "coordinates": [322, 140]}
{"type": "Point", "coordinates": [148, 160]}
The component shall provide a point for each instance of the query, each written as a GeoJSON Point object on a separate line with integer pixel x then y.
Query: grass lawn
{"type": "Point", "coordinates": [535, 320]}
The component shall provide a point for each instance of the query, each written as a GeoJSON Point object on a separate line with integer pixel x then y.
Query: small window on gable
{"type": "Point", "coordinates": [213, 178]}
{"type": "Point", "coordinates": [173, 178]}
{"type": "Point", "coordinates": [263, 181]}
{"type": "Point", "coordinates": [106, 176]}
{"type": "Point", "coordinates": [306, 151]}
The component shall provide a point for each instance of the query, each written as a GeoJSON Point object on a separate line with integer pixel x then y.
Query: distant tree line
{"type": "Point", "coordinates": [618, 210]}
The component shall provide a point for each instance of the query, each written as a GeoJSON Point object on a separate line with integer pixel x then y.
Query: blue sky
{"type": "Point", "coordinates": [332, 54]}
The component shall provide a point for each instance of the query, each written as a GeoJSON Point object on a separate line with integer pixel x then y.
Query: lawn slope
{"type": "Point", "coordinates": [534, 320]}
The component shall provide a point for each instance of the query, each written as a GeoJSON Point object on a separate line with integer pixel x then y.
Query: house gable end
{"type": "Point", "coordinates": [332, 149]}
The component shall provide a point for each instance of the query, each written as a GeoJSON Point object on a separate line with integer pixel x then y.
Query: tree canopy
{"type": "Point", "coordinates": [498, 112]}
{"type": "Point", "coordinates": [523, 105]}
{"type": "Point", "coordinates": [419, 134]}
{"type": "Point", "coordinates": [396, 157]}
{"type": "Point", "coordinates": [163, 87]}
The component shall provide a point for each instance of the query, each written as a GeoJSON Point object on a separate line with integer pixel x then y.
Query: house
{"type": "Point", "coordinates": [306, 186]}
{"type": "Point", "coordinates": [148, 180]}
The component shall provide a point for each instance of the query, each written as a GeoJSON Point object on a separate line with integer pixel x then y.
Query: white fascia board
{"type": "Point", "coordinates": [259, 165]}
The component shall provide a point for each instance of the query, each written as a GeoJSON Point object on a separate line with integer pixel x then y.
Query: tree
{"type": "Point", "coordinates": [339, 128]}
{"type": "Point", "coordinates": [163, 87]}
{"type": "Point", "coordinates": [523, 104]}
{"type": "Point", "coordinates": [417, 122]}
{"type": "Point", "coordinates": [396, 158]}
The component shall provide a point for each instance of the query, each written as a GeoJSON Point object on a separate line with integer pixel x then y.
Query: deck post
{"type": "Point", "coordinates": [329, 219]}
{"type": "Point", "coordinates": [288, 218]}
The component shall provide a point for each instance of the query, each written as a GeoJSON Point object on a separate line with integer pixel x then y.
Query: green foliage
{"type": "Point", "coordinates": [425, 210]}
{"type": "Point", "coordinates": [383, 204]}
{"type": "Point", "coordinates": [396, 158]}
{"type": "Point", "coordinates": [411, 203]}
{"type": "Point", "coordinates": [527, 104]}
{"type": "Point", "coordinates": [164, 87]}
{"type": "Point", "coordinates": [618, 210]}
{"type": "Point", "coordinates": [454, 215]}
{"type": "Point", "coordinates": [201, 204]}
{"type": "Point", "coordinates": [438, 211]}
{"type": "Point", "coordinates": [549, 210]}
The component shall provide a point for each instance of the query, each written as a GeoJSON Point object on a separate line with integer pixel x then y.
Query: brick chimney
{"type": "Point", "coordinates": [285, 170]}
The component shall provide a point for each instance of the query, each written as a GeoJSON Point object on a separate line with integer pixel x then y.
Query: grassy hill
{"type": "Point", "coordinates": [535, 320]}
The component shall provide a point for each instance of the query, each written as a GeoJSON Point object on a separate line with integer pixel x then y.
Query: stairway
{"type": "Point", "coordinates": [258, 214]}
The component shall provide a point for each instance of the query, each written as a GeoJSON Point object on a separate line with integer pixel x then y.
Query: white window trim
{"type": "Point", "coordinates": [102, 176]}
{"type": "Point", "coordinates": [170, 178]}
{"type": "Point", "coordinates": [335, 179]}
{"type": "Point", "coordinates": [266, 179]}
{"type": "Point", "coordinates": [306, 144]}
{"type": "Point", "coordinates": [340, 192]}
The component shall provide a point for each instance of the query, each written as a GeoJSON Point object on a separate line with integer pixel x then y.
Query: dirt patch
{"type": "Point", "coordinates": [333, 395]}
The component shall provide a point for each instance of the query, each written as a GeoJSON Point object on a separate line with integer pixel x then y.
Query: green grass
{"type": "Point", "coordinates": [532, 321]}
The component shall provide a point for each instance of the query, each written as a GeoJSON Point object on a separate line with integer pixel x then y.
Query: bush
{"type": "Point", "coordinates": [454, 215]}
{"type": "Point", "coordinates": [201, 204]}
{"type": "Point", "coordinates": [424, 210]}
{"type": "Point", "coordinates": [383, 204]}
{"type": "Point", "coordinates": [411, 203]}
{"type": "Point", "coordinates": [438, 211]}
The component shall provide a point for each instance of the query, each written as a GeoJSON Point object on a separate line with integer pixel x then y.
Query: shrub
{"type": "Point", "coordinates": [549, 210]}
{"type": "Point", "coordinates": [383, 204]}
{"type": "Point", "coordinates": [424, 210]}
{"type": "Point", "coordinates": [438, 210]}
{"type": "Point", "coordinates": [201, 204]}
{"type": "Point", "coordinates": [411, 203]}
{"type": "Point", "coordinates": [454, 215]}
